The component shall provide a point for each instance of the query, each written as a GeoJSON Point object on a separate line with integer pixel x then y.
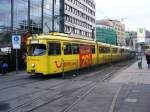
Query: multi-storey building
{"type": "Point", "coordinates": [120, 30]}
{"type": "Point", "coordinates": [79, 17]}
{"type": "Point", "coordinates": [133, 39]}
{"type": "Point", "coordinates": [35, 15]}
{"type": "Point", "coordinates": [73, 16]}
{"type": "Point", "coordinates": [105, 33]}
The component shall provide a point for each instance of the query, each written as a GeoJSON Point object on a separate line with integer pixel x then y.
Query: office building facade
{"type": "Point", "coordinates": [35, 15]}
{"type": "Point", "coordinates": [105, 33]}
{"type": "Point", "coordinates": [120, 30]}
{"type": "Point", "coordinates": [74, 16]}
{"type": "Point", "coordinates": [133, 38]}
{"type": "Point", "coordinates": [79, 17]}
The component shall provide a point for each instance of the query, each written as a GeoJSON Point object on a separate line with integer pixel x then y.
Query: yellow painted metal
{"type": "Point", "coordinates": [47, 64]}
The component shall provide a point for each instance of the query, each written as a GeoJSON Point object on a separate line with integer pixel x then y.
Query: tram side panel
{"type": "Point", "coordinates": [100, 54]}
{"type": "Point", "coordinates": [107, 54]}
{"type": "Point", "coordinates": [94, 54]}
{"type": "Point", "coordinates": [54, 57]}
{"type": "Point", "coordinates": [70, 56]}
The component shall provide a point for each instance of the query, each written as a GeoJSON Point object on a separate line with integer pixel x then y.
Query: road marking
{"type": "Point", "coordinates": [112, 107]}
{"type": "Point", "coordinates": [131, 100]}
{"type": "Point", "coordinates": [135, 91]}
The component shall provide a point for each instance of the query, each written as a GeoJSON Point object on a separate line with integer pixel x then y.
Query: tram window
{"type": "Point", "coordinates": [115, 50]}
{"type": "Point", "coordinates": [93, 49]}
{"type": "Point", "coordinates": [119, 50]}
{"type": "Point", "coordinates": [106, 50]}
{"type": "Point", "coordinates": [75, 48]}
{"type": "Point", "coordinates": [101, 50]}
{"type": "Point", "coordinates": [67, 49]}
{"type": "Point", "coordinates": [37, 50]}
{"type": "Point", "coordinates": [122, 51]}
{"type": "Point", "coordinates": [54, 49]}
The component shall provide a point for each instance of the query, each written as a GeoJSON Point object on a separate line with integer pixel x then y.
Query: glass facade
{"type": "Point", "coordinates": [20, 15]}
{"type": "Point", "coordinates": [106, 35]}
{"type": "Point", "coordinates": [48, 15]}
{"type": "Point", "coordinates": [35, 15]}
{"type": "Point", "coordinates": [5, 15]}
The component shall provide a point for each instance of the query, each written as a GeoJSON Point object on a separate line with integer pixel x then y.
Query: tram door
{"type": "Point", "coordinates": [107, 55]}
{"type": "Point", "coordinates": [54, 56]}
{"type": "Point", "coordinates": [100, 55]}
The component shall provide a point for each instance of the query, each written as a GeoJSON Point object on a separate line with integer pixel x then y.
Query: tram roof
{"type": "Point", "coordinates": [105, 44]}
{"type": "Point", "coordinates": [115, 46]}
{"type": "Point", "coordinates": [61, 36]}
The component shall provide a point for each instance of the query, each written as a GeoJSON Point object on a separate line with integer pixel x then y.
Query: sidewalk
{"type": "Point", "coordinates": [135, 91]}
{"type": "Point", "coordinates": [133, 74]}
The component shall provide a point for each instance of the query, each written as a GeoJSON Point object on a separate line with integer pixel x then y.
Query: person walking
{"type": "Point", "coordinates": [4, 67]}
{"type": "Point", "coordinates": [147, 54]}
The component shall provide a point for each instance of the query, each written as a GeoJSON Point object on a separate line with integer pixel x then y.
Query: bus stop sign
{"type": "Point", "coordinates": [16, 41]}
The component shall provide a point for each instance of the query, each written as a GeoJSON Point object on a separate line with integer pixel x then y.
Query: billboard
{"type": "Point", "coordinates": [141, 35]}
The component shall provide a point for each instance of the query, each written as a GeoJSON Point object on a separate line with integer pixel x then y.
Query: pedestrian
{"type": "Point", "coordinates": [147, 55]}
{"type": "Point", "coordinates": [4, 67]}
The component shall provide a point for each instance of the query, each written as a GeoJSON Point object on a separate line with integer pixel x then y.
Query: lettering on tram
{"type": "Point", "coordinates": [69, 49]}
{"type": "Point", "coordinates": [85, 55]}
{"type": "Point", "coordinates": [54, 49]}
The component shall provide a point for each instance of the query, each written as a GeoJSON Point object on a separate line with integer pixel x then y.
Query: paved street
{"type": "Point", "coordinates": [135, 93]}
{"type": "Point", "coordinates": [127, 90]}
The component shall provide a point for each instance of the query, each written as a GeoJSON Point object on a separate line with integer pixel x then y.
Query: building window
{"type": "Point", "coordinates": [5, 15]}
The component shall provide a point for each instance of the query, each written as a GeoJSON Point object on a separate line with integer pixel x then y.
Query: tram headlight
{"type": "Point", "coordinates": [33, 65]}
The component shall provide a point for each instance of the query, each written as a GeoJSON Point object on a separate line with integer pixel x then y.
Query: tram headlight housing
{"type": "Point", "coordinates": [33, 65]}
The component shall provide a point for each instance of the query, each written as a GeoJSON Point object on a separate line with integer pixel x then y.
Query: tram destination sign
{"type": "Point", "coordinates": [16, 41]}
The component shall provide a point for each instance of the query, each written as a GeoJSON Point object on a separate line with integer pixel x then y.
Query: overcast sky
{"type": "Point", "coordinates": [135, 12]}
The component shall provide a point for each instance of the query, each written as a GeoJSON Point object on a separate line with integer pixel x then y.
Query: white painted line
{"type": "Point", "coordinates": [131, 100]}
{"type": "Point", "coordinates": [112, 107]}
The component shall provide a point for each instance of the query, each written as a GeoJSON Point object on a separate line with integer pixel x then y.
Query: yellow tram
{"type": "Point", "coordinates": [56, 53]}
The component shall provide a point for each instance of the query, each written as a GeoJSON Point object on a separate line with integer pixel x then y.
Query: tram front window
{"type": "Point", "coordinates": [37, 50]}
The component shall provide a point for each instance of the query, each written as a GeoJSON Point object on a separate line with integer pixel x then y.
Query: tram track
{"type": "Point", "coordinates": [46, 98]}
{"type": "Point", "coordinates": [5, 79]}
{"type": "Point", "coordinates": [23, 80]}
{"type": "Point", "coordinates": [86, 93]}
{"type": "Point", "coordinates": [43, 100]}
{"type": "Point", "coordinates": [16, 83]}
{"type": "Point", "coordinates": [109, 70]}
{"type": "Point", "coordinates": [31, 93]}
{"type": "Point", "coordinates": [106, 77]}
{"type": "Point", "coordinates": [59, 96]}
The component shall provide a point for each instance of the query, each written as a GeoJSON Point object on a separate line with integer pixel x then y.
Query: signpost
{"type": "Point", "coordinates": [141, 41]}
{"type": "Point", "coordinates": [16, 42]}
{"type": "Point", "coordinates": [141, 35]}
